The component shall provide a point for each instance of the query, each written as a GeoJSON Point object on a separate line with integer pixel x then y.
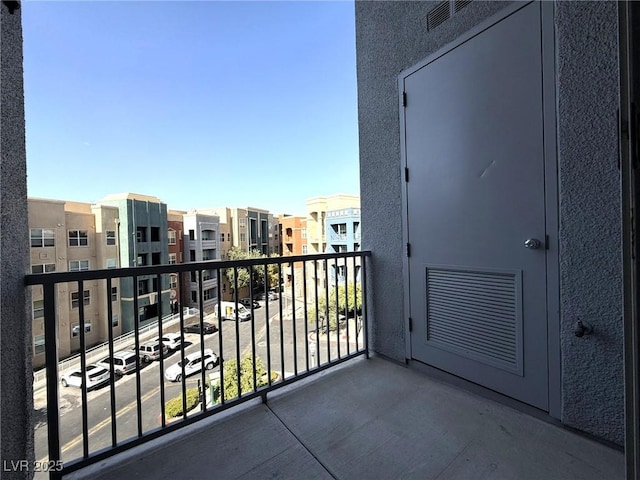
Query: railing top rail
{"type": "Point", "coordinates": [60, 277]}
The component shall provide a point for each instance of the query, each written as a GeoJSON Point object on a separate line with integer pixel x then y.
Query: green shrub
{"type": "Point", "coordinates": [173, 408]}
{"type": "Point", "coordinates": [246, 377]}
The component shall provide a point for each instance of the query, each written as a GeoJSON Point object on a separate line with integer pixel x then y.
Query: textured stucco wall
{"type": "Point", "coordinates": [590, 225]}
{"type": "Point", "coordinates": [16, 408]}
{"type": "Point", "coordinates": [390, 37]}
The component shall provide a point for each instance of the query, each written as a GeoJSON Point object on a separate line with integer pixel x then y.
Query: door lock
{"type": "Point", "coordinates": [532, 243]}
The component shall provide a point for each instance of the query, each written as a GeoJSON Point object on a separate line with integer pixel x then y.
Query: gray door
{"type": "Point", "coordinates": [474, 148]}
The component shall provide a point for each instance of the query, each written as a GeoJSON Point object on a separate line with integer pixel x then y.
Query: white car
{"type": "Point", "coordinates": [192, 364]}
{"type": "Point", "coordinates": [173, 341]}
{"type": "Point", "coordinates": [95, 375]}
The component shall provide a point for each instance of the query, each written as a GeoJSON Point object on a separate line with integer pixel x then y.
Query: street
{"type": "Point", "coordinates": [289, 353]}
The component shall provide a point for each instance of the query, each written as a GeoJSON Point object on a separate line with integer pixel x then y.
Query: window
{"type": "Point", "coordinates": [194, 296]}
{"type": "Point", "coordinates": [209, 294]}
{"type": "Point", "coordinates": [192, 234]}
{"type": "Point", "coordinates": [38, 344]}
{"type": "Point", "coordinates": [75, 298]}
{"type": "Point", "coordinates": [208, 275]}
{"type": "Point", "coordinates": [342, 228]}
{"type": "Point", "coordinates": [154, 284]}
{"type": "Point", "coordinates": [243, 237]}
{"type": "Point", "coordinates": [304, 249]}
{"type": "Point", "coordinates": [289, 232]}
{"type": "Point", "coordinates": [171, 234]}
{"type": "Point", "coordinates": [42, 237]}
{"type": "Point", "coordinates": [114, 320]}
{"type": "Point", "coordinates": [209, 254]}
{"type": "Point", "coordinates": [242, 222]}
{"type": "Point", "coordinates": [78, 238]}
{"type": "Point", "coordinates": [228, 237]}
{"type": "Point", "coordinates": [222, 237]}
{"type": "Point", "coordinates": [193, 277]}
{"type": "Point", "coordinates": [114, 294]}
{"type": "Point", "coordinates": [141, 234]}
{"type": "Point", "coordinates": [75, 330]}
{"type": "Point", "coordinates": [155, 234]}
{"type": "Point", "coordinates": [112, 263]}
{"type": "Point", "coordinates": [43, 268]}
{"type": "Point", "coordinates": [143, 287]}
{"type": "Point", "coordinates": [38, 309]}
{"type": "Point", "coordinates": [172, 258]}
{"type": "Point", "coordinates": [78, 265]}
{"type": "Point", "coordinates": [192, 255]}
{"type": "Point", "coordinates": [156, 258]}
{"type": "Point", "coordinates": [173, 281]}
{"type": "Point", "coordinates": [142, 260]}
{"type": "Point", "coordinates": [111, 237]}
{"type": "Point", "coordinates": [304, 233]}
{"type": "Point", "coordinates": [208, 234]}
{"type": "Point", "coordinates": [356, 247]}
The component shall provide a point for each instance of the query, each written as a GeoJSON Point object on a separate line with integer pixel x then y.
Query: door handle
{"type": "Point", "coordinates": [532, 243]}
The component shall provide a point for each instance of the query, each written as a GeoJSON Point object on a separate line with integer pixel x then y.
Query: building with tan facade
{"type": "Point", "coordinates": [67, 237]}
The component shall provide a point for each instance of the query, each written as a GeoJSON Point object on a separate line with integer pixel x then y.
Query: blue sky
{"type": "Point", "coordinates": [200, 103]}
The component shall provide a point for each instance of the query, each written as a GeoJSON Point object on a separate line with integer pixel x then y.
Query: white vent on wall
{"type": "Point", "coordinates": [44, 256]}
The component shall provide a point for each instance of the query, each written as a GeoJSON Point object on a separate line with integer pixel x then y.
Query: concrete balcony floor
{"type": "Point", "coordinates": [369, 419]}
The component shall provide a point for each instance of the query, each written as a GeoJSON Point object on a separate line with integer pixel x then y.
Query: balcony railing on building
{"type": "Point", "coordinates": [306, 324]}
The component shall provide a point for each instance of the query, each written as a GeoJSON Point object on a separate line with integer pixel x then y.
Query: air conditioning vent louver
{"type": "Point", "coordinates": [460, 4]}
{"type": "Point", "coordinates": [438, 15]}
{"type": "Point", "coordinates": [476, 314]}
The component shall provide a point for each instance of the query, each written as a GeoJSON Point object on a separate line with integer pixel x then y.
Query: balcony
{"type": "Point", "coordinates": [370, 419]}
{"type": "Point", "coordinates": [307, 329]}
{"type": "Point", "coordinates": [325, 409]}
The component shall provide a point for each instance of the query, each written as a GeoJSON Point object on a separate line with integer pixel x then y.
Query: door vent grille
{"type": "Point", "coordinates": [476, 314]}
{"type": "Point", "coordinates": [440, 14]}
{"type": "Point", "coordinates": [460, 4]}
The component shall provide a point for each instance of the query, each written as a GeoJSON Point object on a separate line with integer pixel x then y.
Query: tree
{"type": "Point", "coordinates": [348, 304]}
{"type": "Point", "coordinates": [236, 253]}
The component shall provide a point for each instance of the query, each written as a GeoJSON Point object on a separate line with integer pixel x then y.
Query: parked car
{"type": "Point", "coordinates": [195, 328]}
{"type": "Point", "coordinates": [192, 364]}
{"type": "Point", "coordinates": [247, 303]}
{"type": "Point", "coordinates": [123, 362]}
{"type": "Point", "coordinates": [95, 376]}
{"type": "Point", "coordinates": [272, 296]}
{"type": "Point", "coordinates": [173, 341]}
{"type": "Point", "coordinates": [152, 351]}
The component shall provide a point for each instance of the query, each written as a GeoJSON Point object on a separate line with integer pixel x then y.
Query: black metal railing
{"type": "Point", "coordinates": [313, 315]}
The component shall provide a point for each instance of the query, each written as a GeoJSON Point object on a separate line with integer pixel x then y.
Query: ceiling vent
{"type": "Point", "coordinates": [440, 14]}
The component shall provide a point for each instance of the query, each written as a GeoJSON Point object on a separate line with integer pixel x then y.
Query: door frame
{"type": "Point", "coordinates": [550, 178]}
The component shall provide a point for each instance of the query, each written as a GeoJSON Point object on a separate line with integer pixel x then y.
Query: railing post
{"type": "Point", "coordinates": [365, 294]}
{"type": "Point", "coordinates": [51, 359]}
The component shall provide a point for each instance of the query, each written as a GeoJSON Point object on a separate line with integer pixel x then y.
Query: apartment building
{"type": "Point", "coordinates": [201, 244]}
{"type": "Point", "coordinates": [294, 235]}
{"type": "Point", "coordinates": [175, 242]}
{"type": "Point", "coordinates": [251, 228]}
{"type": "Point", "coordinates": [343, 235]}
{"type": "Point", "coordinates": [317, 208]}
{"type": "Point", "coordinates": [143, 239]}
{"type": "Point", "coordinates": [72, 236]}
{"type": "Point", "coordinates": [293, 242]}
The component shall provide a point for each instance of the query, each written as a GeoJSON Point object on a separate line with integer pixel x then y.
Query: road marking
{"type": "Point", "coordinates": [68, 446]}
